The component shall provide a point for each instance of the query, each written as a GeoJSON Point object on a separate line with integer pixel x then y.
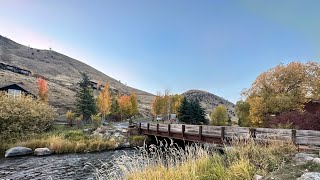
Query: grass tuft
{"type": "Point", "coordinates": [168, 161]}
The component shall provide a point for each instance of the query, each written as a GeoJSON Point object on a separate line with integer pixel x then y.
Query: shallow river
{"type": "Point", "coordinates": [68, 166]}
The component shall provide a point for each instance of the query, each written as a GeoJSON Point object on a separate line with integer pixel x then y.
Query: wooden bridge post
{"type": "Point", "coordinates": [183, 129]}
{"type": "Point", "coordinates": [157, 128]}
{"type": "Point", "coordinates": [200, 133]}
{"type": "Point", "coordinates": [294, 136]}
{"type": "Point", "coordinates": [169, 127]}
{"type": "Point", "coordinates": [252, 133]}
{"type": "Point", "coordinates": [148, 127]}
{"type": "Point", "coordinates": [140, 130]}
{"type": "Point", "coordinates": [223, 133]}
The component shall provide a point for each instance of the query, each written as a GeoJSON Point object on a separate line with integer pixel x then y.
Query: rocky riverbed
{"type": "Point", "coordinates": [67, 166]}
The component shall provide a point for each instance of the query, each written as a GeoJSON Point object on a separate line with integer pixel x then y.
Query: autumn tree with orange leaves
{"type": "Point", "coordinates": [43, 90]}
{"type": "Point", "coordinates": [104, 101]}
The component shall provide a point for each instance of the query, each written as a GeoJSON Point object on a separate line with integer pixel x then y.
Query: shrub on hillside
{"type": "Point", "coordinates": [296, 120]}
{"type": "Point", "coordinates": [70, 117]}
{"type": "Point", "coordinates": [96, 119]}
{"type": "Point", "coordinates": [23, 115]}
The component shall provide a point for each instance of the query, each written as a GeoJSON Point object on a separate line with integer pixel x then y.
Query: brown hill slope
{"type": "Point", "coordinates": [61, 72]}
{"type": "Point", "coordinates": [210, 101]}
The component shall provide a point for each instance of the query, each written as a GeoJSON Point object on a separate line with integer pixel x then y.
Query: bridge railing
{"type": "Point", "coordinates": [299, 137]}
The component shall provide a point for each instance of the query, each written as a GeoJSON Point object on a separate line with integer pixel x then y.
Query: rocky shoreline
{"type": "Point", "coordinates": [123, 138]}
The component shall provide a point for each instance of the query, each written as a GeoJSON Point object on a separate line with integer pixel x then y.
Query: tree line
{"type": "Point", "coordinates": [188, 111]}
{"type": "Point", "coordinates": [106, 104]}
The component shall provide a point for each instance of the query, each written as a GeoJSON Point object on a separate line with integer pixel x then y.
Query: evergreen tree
{"type": "Point", "coordinates": [184, 111]}
{"type": "Point", "coordinates": [85, 103]}
{"type": "Point", "coordinates": [114, 106]}
{"type": "Point", "coordinates": [197, 113]}
{"type": "Point", "coordinates": [191, 112]}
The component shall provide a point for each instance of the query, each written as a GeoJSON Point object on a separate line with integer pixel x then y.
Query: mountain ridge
{"type": "Point", "coordinates": [209, 101]}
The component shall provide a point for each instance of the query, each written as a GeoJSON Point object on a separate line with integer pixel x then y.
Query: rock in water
{"type": "Point", "coordinates": [310, 176]}
{"type": "Point", "coordinates": [316, 160]}
{"type": "Point", "coordinates": [18, 151]}
{"type": "Point", "coordinates": [42, 152]}
{"type": "Point", "coordinates": [302, 157]}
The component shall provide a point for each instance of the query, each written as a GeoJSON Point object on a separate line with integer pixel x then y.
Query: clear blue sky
{"type": "Point", "coordinates": [216, 45]}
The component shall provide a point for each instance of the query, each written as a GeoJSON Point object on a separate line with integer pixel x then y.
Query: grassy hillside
{"type": "Point", "coordinates": [61, 72]}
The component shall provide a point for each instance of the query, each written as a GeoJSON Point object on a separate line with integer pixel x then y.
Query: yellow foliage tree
{"type": "Point", "coordinates": [283, 88]}
{"type": "Point", "coordinates": [176, 103]}
{"type": "Point", "coordinates": [219, 116]}
{"type": "Point", "coordinates": [125, 106]}
{"type": "Point", "coordinates": [134, 103]}
{"type": "Point", "coordinates": [104, 101]}
{"type": "Point", "coordinates": [156, 106]}
{"type": "Point", "coordinates": [70, 117]}
{"type": "Point", "coordinates": [164, 104]}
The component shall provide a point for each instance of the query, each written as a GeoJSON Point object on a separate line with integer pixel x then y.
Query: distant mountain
{"type": "Point", "coordinates": [62, 74]}
{"type": "Point", "coordinates": [210, 101]}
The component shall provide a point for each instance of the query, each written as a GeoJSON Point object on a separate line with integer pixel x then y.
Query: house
{"type": "Point", "coordinates": [15, 90]}
{"type": "Point", "coordinates": [93, 84]}
{"type": "Point", "coordinates": [312, 106]}
{"type": "Point", "coordinates": [15, 69]}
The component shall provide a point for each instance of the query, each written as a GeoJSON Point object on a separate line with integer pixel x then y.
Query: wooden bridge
{"type": "Point", "coordinates": [221, 134]}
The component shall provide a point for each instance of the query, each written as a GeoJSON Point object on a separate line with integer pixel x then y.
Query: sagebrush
{"type": "Point", "coordinates": [20, 116]}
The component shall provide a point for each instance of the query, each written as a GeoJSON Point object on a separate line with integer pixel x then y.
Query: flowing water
{"type": "Point", "coordinates": [67, 166]}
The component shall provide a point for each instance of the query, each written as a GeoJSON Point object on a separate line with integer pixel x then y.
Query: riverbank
{"type": "Point", "coordinates": [64, 139]}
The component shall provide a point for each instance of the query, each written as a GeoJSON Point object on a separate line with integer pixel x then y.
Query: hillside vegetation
{"type": "Point", "coordinates": [61, 72]}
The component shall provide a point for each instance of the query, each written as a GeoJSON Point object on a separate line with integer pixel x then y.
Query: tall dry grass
{"type": "Point", "coordinates": [168, 161]}
{"type": "Point", "coordinates": [61, 144]}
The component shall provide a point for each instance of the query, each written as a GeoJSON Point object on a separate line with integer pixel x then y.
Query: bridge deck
{"type": "Point", "coordinates": [218, 134]}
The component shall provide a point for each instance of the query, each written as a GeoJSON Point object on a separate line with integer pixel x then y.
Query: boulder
{"type": "Point", "coordinates": [42, 152]}
{"type": "Point", "coordinates": [117, 134]}
{"type": "Point", "coordinates": [18, 151]}
{"type": "Point", "coordinates": [257, 177]}
{"type": "Point", "coordinates": [124, 130]}
{"type": "Point", "coordinates": [125, 145]}
{"type": "Point", "coordinates": [316, 160]}
{"type": "Point", "coordinates": [88, 131]}
{"type": "Point", "coordinates": [302, 157]}
{"type": "Point", "coordinates": [310, 176]}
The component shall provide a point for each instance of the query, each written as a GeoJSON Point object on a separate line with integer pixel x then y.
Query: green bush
{"type": "Point", "coordinates": [23, 115]}
{"type": "Point", "coordinates": [96, 120]}
{"type": "Point", "coordinates": [74, 135]}
{"type": "Point", "coordinates": [137, 140]}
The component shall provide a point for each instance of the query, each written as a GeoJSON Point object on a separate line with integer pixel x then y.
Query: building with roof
{"type": "Point", "coordinates": [15, 90]}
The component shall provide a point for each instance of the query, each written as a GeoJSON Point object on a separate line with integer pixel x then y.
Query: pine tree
{"type": "Point", "coordinates": [85, 103]}
{"type": "Point", "coordinates": [197, 113]}
{"type": "Point", "coordinates": [184, 111]}
{"type": "Point", "coordinates": [191, 112]}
